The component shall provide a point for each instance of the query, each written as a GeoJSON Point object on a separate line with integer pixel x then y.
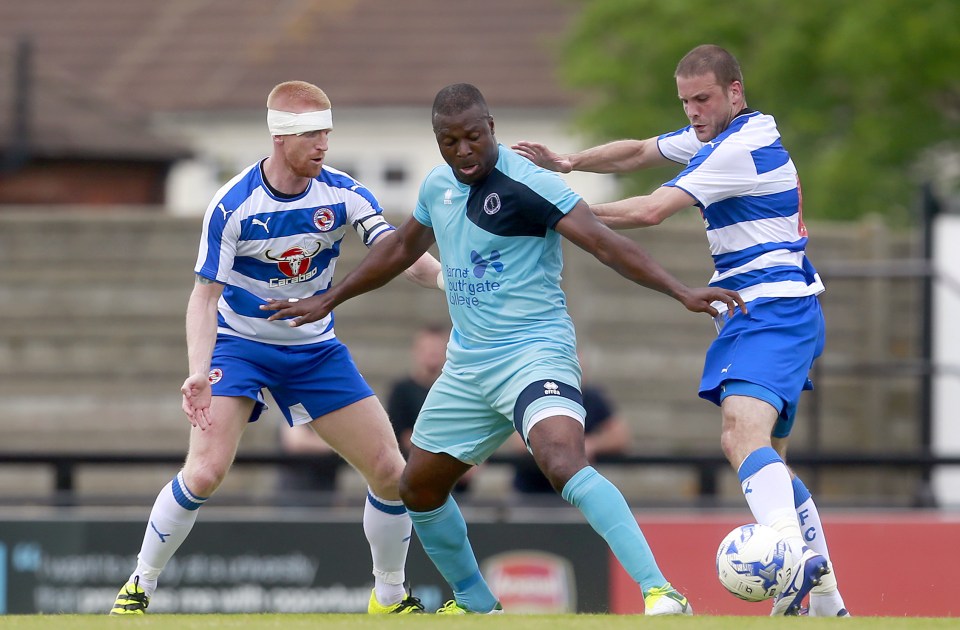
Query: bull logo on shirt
{"type": "Point", "coordinates": [294, 263]}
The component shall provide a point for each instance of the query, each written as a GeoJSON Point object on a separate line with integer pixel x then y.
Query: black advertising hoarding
{"type": "Point", "coordinates": [305, 565]}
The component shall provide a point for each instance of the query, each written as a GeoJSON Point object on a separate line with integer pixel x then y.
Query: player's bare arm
{"type": "Point", "coordinates": [631, 261]}
{"type": "Point", "coordinates": [426, 272]}
{"type": "Point", "coordinates": [201, 337]}
{"type": "Point", "coordinates": [384, 262]}
{"type": "Point", "coordinates": [619, 156]}
{"type": "Point", "coordinates": [643, 210]}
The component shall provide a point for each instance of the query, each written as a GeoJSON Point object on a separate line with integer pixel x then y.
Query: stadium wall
{"type": "Point", "coordinates": [551, 562]}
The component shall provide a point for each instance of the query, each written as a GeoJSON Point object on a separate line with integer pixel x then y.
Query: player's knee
{"type": "Point", "coordinates": [559, 457]}
{"type": "Point", "coordinates": [559, 471]}
{"type": "Point", "coordinates": [384, 476]}
{"type": "Point", "coordinates": [421, 497]}
{"type": "Point", "coordinates": [728, 444]}
{"type": "Point", "coordinates": [204, 480]}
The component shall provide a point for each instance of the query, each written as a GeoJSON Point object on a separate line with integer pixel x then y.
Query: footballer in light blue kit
{"type": "Point", "coordinates": [513, 344]}
{"type": "Point", "coordinates": [497, 221]}
{"type": "Point", "coordinates": [740, 176]}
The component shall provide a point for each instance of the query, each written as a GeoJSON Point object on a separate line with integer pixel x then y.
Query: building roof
{"type": "Point", "coordinates": [60, 119]}
{"type": "Point", "coordinates": [207, 55]}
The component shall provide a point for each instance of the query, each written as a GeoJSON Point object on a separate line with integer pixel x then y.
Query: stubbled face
{"type": "Point", "coordinates": [707, 105]}
{"type": "Point", "coordinates": [467, 143]}
{"type": "Point", "coordinates": [303, 154]}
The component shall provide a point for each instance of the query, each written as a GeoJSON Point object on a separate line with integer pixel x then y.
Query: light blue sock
{"type": "Point", "coordinates": [608, 513]}
{"type": "Point", "coordinates": [443, 535]}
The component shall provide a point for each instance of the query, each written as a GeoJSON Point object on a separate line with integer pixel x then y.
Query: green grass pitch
{"type": "Point", "coordinates": [504, 622]}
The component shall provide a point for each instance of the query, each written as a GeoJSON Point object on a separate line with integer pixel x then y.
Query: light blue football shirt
{"type": "Point", "coordinates": [501, 257]}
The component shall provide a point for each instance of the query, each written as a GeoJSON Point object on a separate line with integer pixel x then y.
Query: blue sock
{"type": "Point", "coordinates": [443, 534]}
{"type": "Point", "coordinates": [608, 513]}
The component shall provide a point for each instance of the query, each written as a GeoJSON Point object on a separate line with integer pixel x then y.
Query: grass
{"type": "Point", "coordinates": [505, 622]}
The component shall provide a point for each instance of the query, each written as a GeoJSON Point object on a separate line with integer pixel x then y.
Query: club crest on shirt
{"type": "Point", "coordinates": [324, 219]}
{"type": "Point", "coordinates": [491, 205]}
{"type": "Point", "coordinates": [294, 264]}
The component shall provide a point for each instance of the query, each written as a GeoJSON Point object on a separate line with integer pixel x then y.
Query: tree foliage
{"type": "Point", "coordinates": [862, 91]}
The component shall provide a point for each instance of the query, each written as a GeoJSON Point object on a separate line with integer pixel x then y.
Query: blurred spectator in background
{"type": "Point", "coordinates": [427, 354]}
{"type": "Point", "coordinates": [605, 433]}
{"type": "Point", "coordinates": [298, 481]}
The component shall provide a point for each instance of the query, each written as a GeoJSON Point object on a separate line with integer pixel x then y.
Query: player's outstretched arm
{"type": "Point", "coordinates": [643, 210]}
{"type": "Point", "coordinates": [631, 261]}
{"type": "Point", "coordinates": [619, 156]}
{"type": "Point", "coordinates": [386, 260]}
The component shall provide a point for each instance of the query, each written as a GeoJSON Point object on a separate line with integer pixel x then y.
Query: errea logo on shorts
{"type": "Point", "coordinates": [551, 389]}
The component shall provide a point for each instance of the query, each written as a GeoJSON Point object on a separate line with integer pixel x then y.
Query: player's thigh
{"type": "Point", "coordinates": [212, 450]}
{"type": "Point", "coordinates": [361, 433]}
{"type": "Point", "coordinates": [558, 447]}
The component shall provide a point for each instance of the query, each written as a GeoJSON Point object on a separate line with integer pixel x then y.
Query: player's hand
{"type": "Point", "coordinates": [302, 311]}
{"type": "Point", "coordinates": [699, 300]}
{"type": "Point", "coordinates": [543, 157]}
{"type": "Point", "coordinates": [197, 396]}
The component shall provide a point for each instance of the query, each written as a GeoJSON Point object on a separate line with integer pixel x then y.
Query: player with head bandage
{"type": "Point", "coordinates": [274, 232]}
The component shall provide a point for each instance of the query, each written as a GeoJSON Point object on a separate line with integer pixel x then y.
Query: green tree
{"type": "Point", "coordinates": [862, 90]}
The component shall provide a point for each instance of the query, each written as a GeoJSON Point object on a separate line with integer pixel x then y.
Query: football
{"type": "Point", "coordinates": [753, 561]}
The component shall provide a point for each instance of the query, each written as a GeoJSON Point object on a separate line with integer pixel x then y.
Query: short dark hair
{"type": "Point", "coordinates": [458, 98]}
{"type": "Point", "coordinates": [710, 58]}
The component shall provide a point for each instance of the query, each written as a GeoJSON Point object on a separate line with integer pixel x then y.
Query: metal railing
{"type": "Point", "coordinates": [707, 467]}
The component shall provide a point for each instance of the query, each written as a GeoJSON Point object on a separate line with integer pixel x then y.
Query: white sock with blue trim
{"type": "Point", "coordinates": [387, 527]}
{"type": "Point", "coordinates": [171, 519]}
{"type": "Point", "coordinates": [768, 489]}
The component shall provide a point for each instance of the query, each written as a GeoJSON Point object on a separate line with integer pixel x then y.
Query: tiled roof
{"type": "Point", "coordinates": [186, 55]}
{"type": "Point", "coordinates": [63, 120]}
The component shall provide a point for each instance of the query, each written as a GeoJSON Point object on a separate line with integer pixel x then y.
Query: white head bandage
{"type": "Point", "coordinates": [287, 123]}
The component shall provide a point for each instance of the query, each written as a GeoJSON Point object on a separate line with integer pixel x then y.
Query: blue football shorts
{"type": "Point", "coordinates": [306, 381]}
{"type": "Point", "coordinates": [766, 354]}
{"type": "Point", "coordinates": [475, 405]}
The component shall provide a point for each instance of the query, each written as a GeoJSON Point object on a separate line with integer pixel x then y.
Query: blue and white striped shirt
{"type": "Point", "coordinates": [263, 245]}
{"type": "Point", "coordinates": [749, 196]}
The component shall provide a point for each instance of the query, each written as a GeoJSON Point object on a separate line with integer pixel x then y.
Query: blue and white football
{"type": "Point", "coordinates": [753, 561]}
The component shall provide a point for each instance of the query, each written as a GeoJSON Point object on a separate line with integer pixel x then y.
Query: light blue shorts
{"type": "Point", "coordinates": [307, 381]}
{"type": "Point", "coordinates": [474, 406]}
{"type": "Point", "coordinates": [773, 348]}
